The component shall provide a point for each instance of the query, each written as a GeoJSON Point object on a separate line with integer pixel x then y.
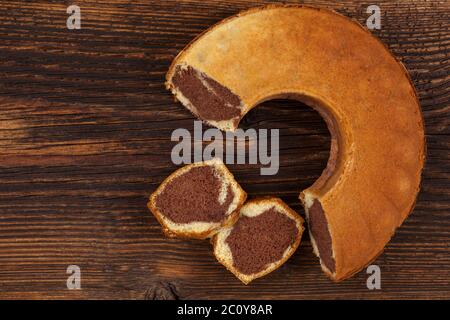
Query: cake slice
{"type": "Point", "coordinates": [207, 99]}
{"type": "Point", "coordinates": [197, 200]}
{"type": "Point", "coordinates": [265, 236]}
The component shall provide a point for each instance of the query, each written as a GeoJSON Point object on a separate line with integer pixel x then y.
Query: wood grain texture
{"type": "Point", "coordinates": [85, 125]}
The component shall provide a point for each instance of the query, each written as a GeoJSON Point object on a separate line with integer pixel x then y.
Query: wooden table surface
{"type": "Point", "coordinates": [85, 125]}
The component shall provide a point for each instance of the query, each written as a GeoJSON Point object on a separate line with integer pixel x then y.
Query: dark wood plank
{"type": "Point", "coordinates": [85, 124]}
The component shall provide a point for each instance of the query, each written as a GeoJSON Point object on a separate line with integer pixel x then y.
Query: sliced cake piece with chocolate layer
{"type": "Point", "coordinates": [197, 200]}
{"type": "Point", "coordinates": [265, 236]}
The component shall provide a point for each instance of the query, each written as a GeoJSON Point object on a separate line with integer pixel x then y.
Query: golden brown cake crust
{"type": "Point", "coordinates": [365, 95]}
